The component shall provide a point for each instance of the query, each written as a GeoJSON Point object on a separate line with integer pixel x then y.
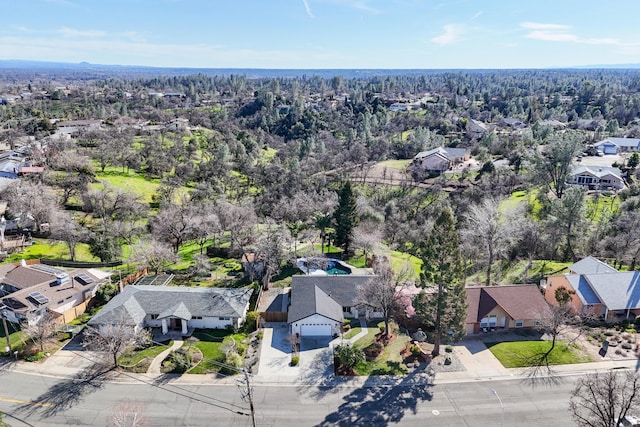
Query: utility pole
{"type": "Point", "coordinates": [246, 391]}
{"type": "Point", "coordinates": [6, 330]}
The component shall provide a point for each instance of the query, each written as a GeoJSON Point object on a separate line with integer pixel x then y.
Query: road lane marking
{"type": "Point", "coordinates": [26, 402]}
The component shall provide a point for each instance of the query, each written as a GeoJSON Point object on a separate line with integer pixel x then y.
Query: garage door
{"type": "Point", "coordinates": [315, 330]}
{"type": "Point", "coordinates": [610, 150]}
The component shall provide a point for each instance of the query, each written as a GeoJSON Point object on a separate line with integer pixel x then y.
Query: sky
{"type": "Point", "coordinates": [323, 34]}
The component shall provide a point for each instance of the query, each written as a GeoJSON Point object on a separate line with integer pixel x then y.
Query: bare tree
{"type": "Point", "coordinates": [115, 339]}
{"type": "Point", "coordinates": [128, 413]}
{"type": "Point", "coordinates": [367, 237]}
{"type": "Point", "coordinates": [604, 399]}
{"type": "Point", "coordinates": [488, 231]}
{"type": "Point", "coordinates": [67, 229]}
{"type": "Point", "coordinates": [41, 331]}
{"type": "Point", "coordinates": [29, 200]}
{"type": "Point", "coordinates": [555, 323]}
{"type": "Point", "coordinates": [380, 294]}
{"type": "Point", "coordinates": [175, 224]}
{"type": "Point", "coordinates": [152, 254]}
{"type": "Point", "coordinates": [272, 249]}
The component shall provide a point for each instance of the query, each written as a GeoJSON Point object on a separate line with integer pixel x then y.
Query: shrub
{"type": "Point", "coordinates": [295, 360]}
{"type": "Point", "coordinates": [415, 350]}
{"type": "Point", "coordinates": [35, 357]}
{"type": "Point", "coordinates": [252, 320]}
{"type": "Point", "coordinates": [448, 349]}
{"type": "Point", "coordinates": [234, 359]}
{"type": "Point", "coordinates": [347, 321]}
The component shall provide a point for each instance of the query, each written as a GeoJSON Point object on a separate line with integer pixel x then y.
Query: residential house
{"type": "Point", "coordinates": [73, 127]}
{"type": "Point", "coordinates": [618, 145]}
{"type": "Point", "coordinates": [596, 177]}
{"type": "Point", "coordinates": [29, 291]}
{"type": "Point", "coordinates": [556, 124]}
{"type": "Point", "coordinates": [319, 304]}
{"type": "Point", "coordinates": [476, 129]}
{"type": "Point", "coordinates": [438, 160]}
{"type": "Point", "coordinates": [175, 308]}
{"type": "Point", "coordinates": [504, 307]}
{"type": "Point", "coordinates": [598, 290]}
{"type": "Point", "coordinates": [513, 123]}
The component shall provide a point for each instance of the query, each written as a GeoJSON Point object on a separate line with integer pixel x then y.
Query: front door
{"type": "Point", "coordinates": [173, 323]}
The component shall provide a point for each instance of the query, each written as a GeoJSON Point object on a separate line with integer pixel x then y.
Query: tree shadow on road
{"type": "Point", "coordinates": [69, 392]}
{"type": "Point", "coordinates": [317, 378]}
{"type": "Point", "coordinates": [380, 405]}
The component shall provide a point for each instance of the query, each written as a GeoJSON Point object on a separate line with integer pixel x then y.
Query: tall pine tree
{"type": "Point", "coordinates": [346, 217]}
{"type": "Point", "coordinates": [442, 304]}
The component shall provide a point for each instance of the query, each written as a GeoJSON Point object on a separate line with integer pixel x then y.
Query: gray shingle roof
{"type": "Point", "coordinates": [137, 301]}
{"type": "Point", "coordinates": [591, 265]}
{"type": "Point", "coordinates": [325, 295]}
{"type": "Point", "coordinates": [618, 291]}
{"type": "Point", "coordinates": [448, 153]}
{"type": "Point", "coordinates": [582, 288]}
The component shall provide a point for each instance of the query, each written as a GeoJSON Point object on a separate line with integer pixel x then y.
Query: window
{"type": "Point", "coordinates": [196, 318]}
{"type": "Point", "coordinates": [484, 322]}
{"type": "Point", "coordinates": [224, 318]}
{"type": "Point", "coordinates": [519, 323]}
{"type": "Point", "coordinates": [346, 309]}
{"type": "Point", "coordinates": [538, 323]}
{"type": "Point", "coordinates": [153, 316]}
{"type": "Point", "coordinates": [492, 320]}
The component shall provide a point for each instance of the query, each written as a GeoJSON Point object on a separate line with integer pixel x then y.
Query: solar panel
{"type": "Point", "coordinates": [85, 279]}
{"type": "Point", "coordinates": [47, 269]}
{"type": "Point", "coordinates": [38, 298]}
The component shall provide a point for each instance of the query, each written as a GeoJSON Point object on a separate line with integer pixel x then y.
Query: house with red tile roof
{"type": "Point", "coordinates": [504, 307]}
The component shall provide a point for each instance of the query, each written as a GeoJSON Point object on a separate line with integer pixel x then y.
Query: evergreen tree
{"type": "Point", "coordinates": [442, 304]}
{"type": "Point", "coordinates": [346, 217]}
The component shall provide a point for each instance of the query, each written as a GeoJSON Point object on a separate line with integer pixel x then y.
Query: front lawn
{"type": "Point", "coordinates": [389, 362]}
{"type": "Point", "coordinates": [520, 354]}
{"type": "Point", "coordinates": [352, 332]}
{"type": "Point", "coordinates": [209, 344]}
{"type": "Point", "coordinates": [139, 361]}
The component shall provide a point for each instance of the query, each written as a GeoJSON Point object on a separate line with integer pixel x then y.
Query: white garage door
{"type": "Point", "coordinates": [315, 330]}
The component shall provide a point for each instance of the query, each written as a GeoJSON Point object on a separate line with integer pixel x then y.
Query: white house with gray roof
{"type": "Point", "coordinates": [618, 145]}
{"type": "Point", "coordinates": [596, 177]}
{"type": "Point", "coordinates": [178, 308]}
{"type": "Point", "coordinates": [320, 304]}
{"type": "Point", "coordinates": [439, 159]}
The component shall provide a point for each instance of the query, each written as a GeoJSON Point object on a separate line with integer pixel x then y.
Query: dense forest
{"type": "Point", "coordinates": [136, 168]}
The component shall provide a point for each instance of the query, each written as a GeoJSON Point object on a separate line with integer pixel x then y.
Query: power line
{"type": "Point", "coordinates": [161, 387]}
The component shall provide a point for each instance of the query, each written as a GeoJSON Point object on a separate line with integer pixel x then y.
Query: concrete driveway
{"type": "Point", "coordinates": [316, 356]}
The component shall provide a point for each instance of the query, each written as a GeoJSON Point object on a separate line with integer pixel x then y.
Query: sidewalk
{"type": "Point", "coordinates": [275, 368]}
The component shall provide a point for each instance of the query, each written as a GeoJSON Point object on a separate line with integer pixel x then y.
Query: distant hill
{"type": "Point", "coordinates": [101, 71]}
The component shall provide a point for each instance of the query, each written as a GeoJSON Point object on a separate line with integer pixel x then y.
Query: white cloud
{"type": "Point", "coordinates": [72, 32]}
{"type": "Point", "coordinates": [307, 7]}
{"type": "Point", "coordinates": [476, 15]}
{"type": "Point", "coordinates": [452, 34]}
{"type": "Point", "coordinates": [562, 33]}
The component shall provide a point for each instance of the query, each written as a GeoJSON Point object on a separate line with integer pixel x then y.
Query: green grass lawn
{"type": "Point", "coordinates": [352, 332]}
{"type": "Point", "coordinates": [132, 181]}
{"type": "Point", "coordinates": [600, 208]}
{"type": "Point", "coordinates": [390, 361]}
{"type": "Point", "coordinates": [209, 345]}
{"type": "Point", "coordinates": [17, 337]}
{"type": "Point", "coordinates": [52, 249]}
{"type": "Point", "coordinates": [519, 354]}
{"type": "Point", "coordinates": [132, 358]}
{"type": "Point", "coordinates": [515, 272]}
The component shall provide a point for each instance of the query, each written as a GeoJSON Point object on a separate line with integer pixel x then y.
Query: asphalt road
{"type": "Point", "coordinates": [45, 401]}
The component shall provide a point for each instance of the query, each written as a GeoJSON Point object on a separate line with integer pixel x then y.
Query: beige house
{"type": "Point", "coordinates": [490, 308]}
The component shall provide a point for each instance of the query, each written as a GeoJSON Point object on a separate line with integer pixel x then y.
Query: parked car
{"type": "Point", "coordinates": [629, 421]}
